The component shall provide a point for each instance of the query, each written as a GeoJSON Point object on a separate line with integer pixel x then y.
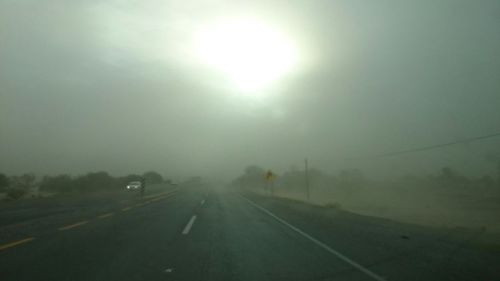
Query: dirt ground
{"type": "Point", "coordinates": [478, 208]}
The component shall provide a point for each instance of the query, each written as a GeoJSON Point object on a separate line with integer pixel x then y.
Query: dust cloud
{"type": "Point", "coordinates": [118, 88]}
{"type": "Point", "coordinates": [442, 199]}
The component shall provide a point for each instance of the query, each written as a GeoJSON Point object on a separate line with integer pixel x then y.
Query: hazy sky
{"type": "Point", "coordinates": [129, 86]}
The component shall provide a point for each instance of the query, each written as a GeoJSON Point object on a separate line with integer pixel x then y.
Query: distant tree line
{"type": "Point", "coordinates": [18, 186]}
{"type": "Point", "coordinates": [91, 182]}
{"type": "Point", "coordinates": [349, 180]}
{"type": "Point", "coordinates": [254, 176]}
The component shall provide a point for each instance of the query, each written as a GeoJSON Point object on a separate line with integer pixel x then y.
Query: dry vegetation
{"type": "Point", "coordinates": [444, 199]}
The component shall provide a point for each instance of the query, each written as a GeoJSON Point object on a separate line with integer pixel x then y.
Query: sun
{"type": "Point", "coordinates": [251, 55]}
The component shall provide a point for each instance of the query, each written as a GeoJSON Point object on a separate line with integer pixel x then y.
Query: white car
{"type": "Point", "coordinates": [133, 185]}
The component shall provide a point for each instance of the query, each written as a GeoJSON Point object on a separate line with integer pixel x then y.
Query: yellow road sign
{"type": "Point", "coordinates": [270, 176]}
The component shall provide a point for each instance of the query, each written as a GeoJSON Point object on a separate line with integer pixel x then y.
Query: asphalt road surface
{"type": "Point", "coordinates": [199, 233]}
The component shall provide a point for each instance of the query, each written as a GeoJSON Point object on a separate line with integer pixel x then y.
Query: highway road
{"type": "Point", "coordinates": [201, 233]}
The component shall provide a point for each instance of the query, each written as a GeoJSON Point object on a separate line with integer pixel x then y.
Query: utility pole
{"type": "Point", "coordinates": [272, 188]}
{"type": "Point", "coordinates": [306, 164]}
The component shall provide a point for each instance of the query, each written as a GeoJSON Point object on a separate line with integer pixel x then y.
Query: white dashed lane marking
{"type": "Point", "coordinates": [189, 225]}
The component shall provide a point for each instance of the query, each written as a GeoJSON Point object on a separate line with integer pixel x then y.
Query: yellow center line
{"type": "Point", "coordinates": [15, 243]}
{"type": "Point", "coordinates": [105, 215]}
{"type": "Point", "coordinates": [154, 195]}
{"type": "Point", "coordinates": [70, 226]}
{"type": "Point", "coordinates": [161, 194]}
{"type": "Point", "coordinates": [163, 197]}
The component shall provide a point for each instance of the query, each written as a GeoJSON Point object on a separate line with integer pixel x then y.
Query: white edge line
{"type": "Point", "coordinates": [319, 243]}
{"type": "Point", "coordinates": [189, 225]}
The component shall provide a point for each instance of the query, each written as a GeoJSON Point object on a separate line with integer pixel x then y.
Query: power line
{"type": "Point", "coordinates": [430, 147]}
